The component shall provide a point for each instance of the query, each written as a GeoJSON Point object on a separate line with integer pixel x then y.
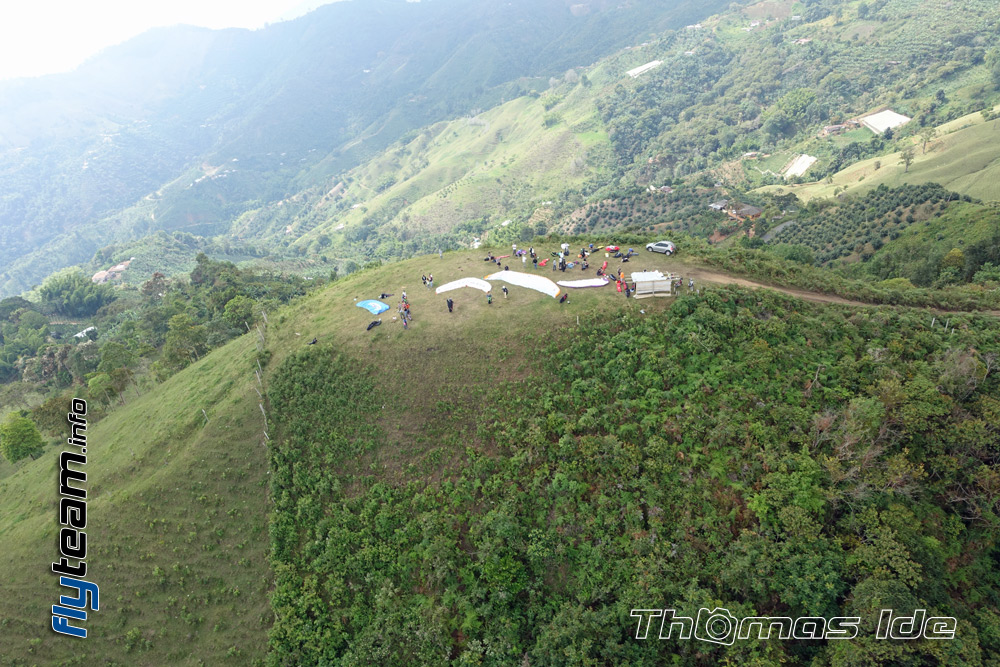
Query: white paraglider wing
{"type": "Point", "coordinates": [475, 283]}
{"type": "Point", "coordinates": [528, 280]}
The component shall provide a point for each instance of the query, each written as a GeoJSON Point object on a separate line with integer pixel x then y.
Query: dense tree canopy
{"type": "Point", "coordinates": [74, 295]}
{"type": "Point", "coordinates": [19, 438]}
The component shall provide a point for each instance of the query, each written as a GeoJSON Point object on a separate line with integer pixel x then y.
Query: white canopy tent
{"type": "Point", "coordinates": [527, 280]}
{"type": "Point", "coordinates": [651, 283]}
{"type": "Point", "coordinates": [474, 283]}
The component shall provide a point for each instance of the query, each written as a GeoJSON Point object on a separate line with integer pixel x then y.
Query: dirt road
{"type": "Point", "coordinates": [702, 275]}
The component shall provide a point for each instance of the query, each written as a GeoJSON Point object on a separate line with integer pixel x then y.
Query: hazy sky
{"type": "Point", "coordinates": [48, 36]}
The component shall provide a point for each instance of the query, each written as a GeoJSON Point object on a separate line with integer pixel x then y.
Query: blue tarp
{"type": "Point", "coordinates": [372, 306]}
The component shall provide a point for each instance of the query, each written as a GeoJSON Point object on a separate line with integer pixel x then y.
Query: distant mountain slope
{"type": "Point", "coordinates": [499, 174]}
{"type": "Point", "coordinates": [261, 108]}
{"type": "Point", "coordinates": [286, 148]}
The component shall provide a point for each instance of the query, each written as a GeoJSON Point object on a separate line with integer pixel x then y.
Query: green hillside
{"type": "Point", "coordinates": [970, 233]}
{"type": "Point", "coordinates": [963, 156]}
{"type": "Point", "coordinates": [469, 176]}
{"type": "Point", "coordinates": [177, 531]}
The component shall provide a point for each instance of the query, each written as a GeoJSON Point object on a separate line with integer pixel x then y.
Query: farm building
{"type": "Point", "coordinates": [838, 128]}
{"type": "Point", "coordinates": [641, 69]}
{"type": "Point", "coordinates": [883, 120]}
{"type": "Point", "coordinates": [719, 205]}
{"type": "Point", "coordinates": [651, 283]}
{"type": "Point", "coordinates": [744, 212]}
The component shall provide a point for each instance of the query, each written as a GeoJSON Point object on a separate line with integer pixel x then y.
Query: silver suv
{"type": "Point", "coordinates": [666, 247]}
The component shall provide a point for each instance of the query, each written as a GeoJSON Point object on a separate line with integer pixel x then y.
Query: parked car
{"type": "Point", "coordinates": [666, 247]}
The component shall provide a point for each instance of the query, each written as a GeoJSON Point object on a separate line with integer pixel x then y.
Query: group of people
{"type": "Point", "coordinates": [562, 264]}
{"type": "Point", "coordinates": [496, 260]}
{"type": "Point", "coordinates": [679, 282]}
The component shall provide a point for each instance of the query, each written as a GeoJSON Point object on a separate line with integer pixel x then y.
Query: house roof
{"type": "Point", "coordinates": [749, 210]}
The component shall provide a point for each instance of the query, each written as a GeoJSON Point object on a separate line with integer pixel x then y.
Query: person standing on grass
{"type": "Point", "coordinates": [504, 288]}
{"type": "Point", "coordinates": [451, 304]}
{"type": "Point", "coordinates": [430, 281]}
{"type": "Point", "coordinates": [423, 279]}
{"type": "Point", "coordinates": [628, 291]}
{"type": "Point", "coordinates": [489, 298]}
{"type": "Point", "coordinates": [534, 261]}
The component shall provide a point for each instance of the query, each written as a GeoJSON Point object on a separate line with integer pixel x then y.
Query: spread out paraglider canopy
{"type": "Point", "coordinates": [589, 282]}
{"type": "Point", "coordinates": [475, 283]}
{"type": "Point", "coordinates": [372, 306]}
{"type": "Point", "coordinates": [538, 283]}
